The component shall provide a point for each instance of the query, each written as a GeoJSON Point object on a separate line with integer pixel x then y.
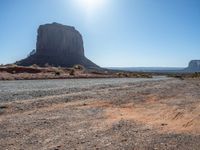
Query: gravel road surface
{"type": "Point", "coordinates": [103, 114]}
{"type": "Point", "coordinates": [29, 89]}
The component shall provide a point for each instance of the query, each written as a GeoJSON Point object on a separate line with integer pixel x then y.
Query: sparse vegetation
{"type": "Point", "coordinates": [122, 74]}
{"type": "Point", "coordinates": [196, 75]}
{"type": "Point", "coordinates": [133, 75]}
{"type": "Point", "coordinates": [183, 76]}
{"type": "Point", "coordinates": [79, 67]}
{"type": "Point", "coordinates": [3, 106]}
{"type": "Point", "coordinates": [15, 72]}
{"type": "Point", "coordinates": [11, 65]}
{"type": "Point", "coordinates": [35, 66]}
{"type": "Point", "coordinates": [57, 73]}
{"type": "Point", "coordinates": [72, 72]}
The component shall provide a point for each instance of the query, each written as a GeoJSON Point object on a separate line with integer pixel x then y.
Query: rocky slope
{"type": "Point", "coordinates": [58, 45]}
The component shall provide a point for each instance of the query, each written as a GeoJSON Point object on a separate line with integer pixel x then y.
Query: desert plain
{"type": "Point", "coordinates": [114, 113]}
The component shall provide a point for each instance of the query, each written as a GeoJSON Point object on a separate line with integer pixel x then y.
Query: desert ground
{"type": "Point", "coordinates": [34, 72]}
{"type": "Point", "coordinates": [123, 113]}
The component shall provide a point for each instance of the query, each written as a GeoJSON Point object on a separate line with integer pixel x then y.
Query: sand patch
{"type": "Point", "coordinates": [152, 113]}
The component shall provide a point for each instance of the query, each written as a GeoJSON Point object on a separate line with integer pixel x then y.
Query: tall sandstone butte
{"type": "Point", "coordinates": [58, 45]}
{"type": "Point", "coordinates": [194, 66]}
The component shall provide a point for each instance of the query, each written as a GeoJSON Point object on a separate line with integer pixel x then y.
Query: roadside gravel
{"type": "Point", "coordinates": [30, 89]}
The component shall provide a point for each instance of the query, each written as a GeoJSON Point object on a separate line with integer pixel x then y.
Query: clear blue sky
{"type": "Point", "coordinates": [125, 33]}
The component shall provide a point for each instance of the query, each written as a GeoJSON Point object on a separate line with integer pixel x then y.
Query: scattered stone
{"type": "Point", "coordinates": [164, 124]}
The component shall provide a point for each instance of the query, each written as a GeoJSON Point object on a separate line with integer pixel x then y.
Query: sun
{"type": "Point", "coordinates": [91, 4]}
{"type": "Point", "coordinates": [90, 7]}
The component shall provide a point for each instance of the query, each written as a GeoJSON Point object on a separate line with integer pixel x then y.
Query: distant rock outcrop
{"type": "Point", "coordinates": [58, 45]}
{"type": "Point", "coordinates": [194, 66]}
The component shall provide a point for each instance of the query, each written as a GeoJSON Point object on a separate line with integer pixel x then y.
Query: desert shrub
{"type": "Point", "coordinates": [121, 74]}
{"type": "Point", "coordinates": [11, 65]}
{"type": "Point", "coordinates": [72, 72]}
{"type": "Point", "coordinates": [146, 76]}
{"type": "Point", "coordinates": [181, 77]}
{"type": "Point", "coordinates": [57, 73]}
{"type": "Point", "coordinates": [196, 75]}
{"type": "Point", "coordinates": [35, 66]}
{"type": "Point", "coordinates": [3, 106]}
{"type": "Point", "coordinates": [126, 75]}
{"type": "Point", "coordinates": [57, 70]}
{"type": "Point", "coordinates": [79, 67]}
{"type": "Point", "coordinates": [133, 75]}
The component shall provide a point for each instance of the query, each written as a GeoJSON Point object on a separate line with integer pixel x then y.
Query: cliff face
{"type": "Point", "coordinates": [55, 39]}
{"type": "Point", "coordinates": [58, 45]}
{"type": "Point", "coordinates": [194, 66]}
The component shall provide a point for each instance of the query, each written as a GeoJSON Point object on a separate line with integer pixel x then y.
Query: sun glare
{"type": "Point", "coordinates": [90, 7]}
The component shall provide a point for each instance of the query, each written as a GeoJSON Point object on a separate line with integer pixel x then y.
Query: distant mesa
{"type": "Point", "coordinates": [58, 45]}
{"type": "Point", "coordinates": [194, 66]}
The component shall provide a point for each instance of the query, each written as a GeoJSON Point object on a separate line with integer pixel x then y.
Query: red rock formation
{"type": "Point", "coordinates": [58, 45]}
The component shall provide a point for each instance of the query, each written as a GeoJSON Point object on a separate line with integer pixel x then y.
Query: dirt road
{"type": "Point", "coordinates": [31, 89]}
{"type": "Point", "coordinates": [153, 114]}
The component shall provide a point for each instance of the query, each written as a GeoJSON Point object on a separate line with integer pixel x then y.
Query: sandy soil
{"type": "Point", "coordinates": [153, 115]}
